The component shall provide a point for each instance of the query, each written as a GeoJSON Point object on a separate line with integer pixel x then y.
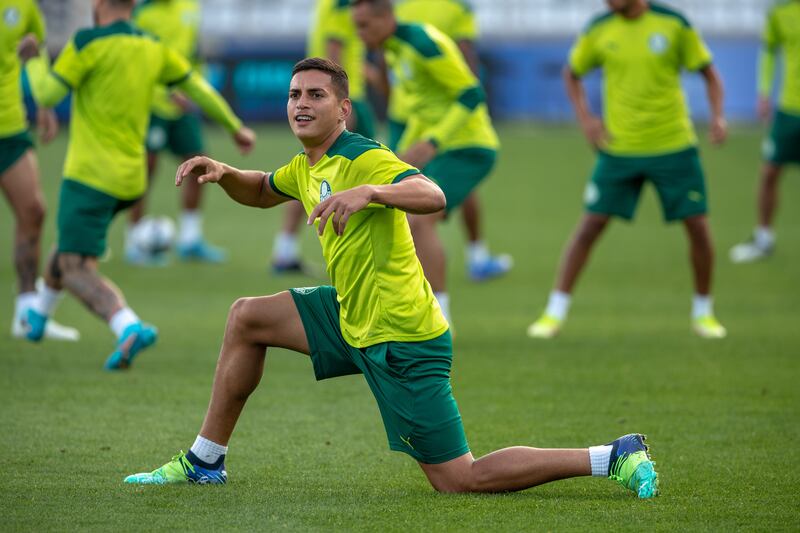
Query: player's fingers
{"type": "Point", "coordinates": [323, 219]}
{"type": "Point", "coordinates": [316, 211]}
{"type": "Point", "coordinates": [206, 178]}
{"type": "Point", "coordinates": [343, 222]}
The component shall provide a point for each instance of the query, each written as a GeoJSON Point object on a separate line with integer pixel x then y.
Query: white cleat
{"type": "Point", "coordinates": [53, 331]}
{"type": "Point", "coordinates": [546, 327]}
{"type": "Point", "coordinates": [749, 252]}
{"type": "Point", "coordinates": [709, 327]}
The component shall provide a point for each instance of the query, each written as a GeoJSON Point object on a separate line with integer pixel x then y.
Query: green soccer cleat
{"type": "Point", "coordinates": [709, 327]}
{"type": "Point", "coordinates": [546, 327]}
{"type": "Point", "coordinates": [631, 467]}
{"type": "Point", "coordinates": [180, 471]}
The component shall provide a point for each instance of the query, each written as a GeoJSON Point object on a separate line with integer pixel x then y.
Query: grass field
{"type": "Point", "coordinates": [723, 416]}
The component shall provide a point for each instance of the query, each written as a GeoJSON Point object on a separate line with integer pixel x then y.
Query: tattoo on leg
{"type": "Point", "coordinates": [26, 261]}
{"type": "Point", "coordinates": [81, 278]}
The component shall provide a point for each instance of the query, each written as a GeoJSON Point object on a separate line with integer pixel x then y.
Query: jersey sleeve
{"type": "Point", "coordinates": [771, 37]}
{"type": "Point", "coordinates": [71, 65]}
{"type": "Point", "coordinates": [380, 166]}
{"type": "Point", "coordinates": [695, 55]}
{"type": "Point", "coordinates": [175, 69]}
{"type": "Point", "coordinates": [583, 57]}
{"type": "Point", "coordinates": [36, 24]}
{"type": "Point", "coordinates": [284, 181]}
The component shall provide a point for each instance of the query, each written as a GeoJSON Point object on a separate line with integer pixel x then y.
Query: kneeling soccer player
{"type": "Point", "coordinates": [379, 319]}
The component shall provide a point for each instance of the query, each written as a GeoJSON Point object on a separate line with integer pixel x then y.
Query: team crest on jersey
{"type": "Point", "coordinates": [11, 16]}
{"type": "Point", "coordinates": [658, 43]}
{"type": "Point", "coordinates": [325, 190]}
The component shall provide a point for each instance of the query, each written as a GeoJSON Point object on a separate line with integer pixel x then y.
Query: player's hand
{"type": "Point", "coordinates": [595, 132]}
{"type": "Point", "coordinates": [181, 100]}
{"type": "Point", "coordinates": [420, 154]}
{"type": "Point", "coordinates": [28, 47]}
{"type": "Point", "coordinates": [205, 169]}
{"type": "Point", "coordinates": [718, 131]}
{"type": "Point", "coordinates": [245, 139]}
{"type": "Point", "coordinates": [46, 124]}
{"type": "Point", "coordinates": [763, 108]}
{"type": "Point", "coordinates": [340, 207]}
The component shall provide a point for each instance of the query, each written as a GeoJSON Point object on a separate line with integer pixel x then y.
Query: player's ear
{"type": "Point", "coordinates": [345, 109]}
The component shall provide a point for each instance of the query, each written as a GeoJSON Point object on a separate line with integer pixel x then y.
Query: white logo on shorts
{"type": "Point", "coordinates": [591, 194]}
{"type": "Point", "coordinates": [157, 138]}
{"type": "Point", "coordinates": [658, 43]}
{"type": "Point", "coordinates": [325, 190]}
{"type": "Point", "coordinates": [768, 148]}
{"type": "Point", "coordinates": [11, 16]}
{"type": "Point", "coordinates": [304, 290]}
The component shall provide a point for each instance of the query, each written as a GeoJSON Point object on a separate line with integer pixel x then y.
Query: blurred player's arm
{"type": "Point", "coordinates": [377, 75]}
{"type": "Point", "coordinates": [47, 88]}
{"type": "Point", "coordinates": [247, 187]}
{"type": "Point", "coordinates": [716, 96]}
{"type": "Point", "coordinates": [766, 65]}
{"type": "Point", "coordinates": [470, 53]}
{"type": "Point", "coordinates": [591, 124]}
{"type": "Point", "coordinates": [46, 120]}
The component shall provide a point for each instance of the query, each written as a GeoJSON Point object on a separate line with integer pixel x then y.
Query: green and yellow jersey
{"type": "Point", "coordinates": [113, 71]}
{"type": "Point", "coordinates": [645, 108]}
{"type": "Point", "coordinates": [454, 18]}
{"type": "Point", "coordinates": [381, 287]}
{"type": "Point", "coordinates": [17, 19]}
{"type": "Point", "coordinates": [782, 34]}
{"type": "Point", "coordinates": [176, 23]}
{"type": "Point", "coordinates": [447, 101]}
{"type": "Point", "coordinates": [332, 21]}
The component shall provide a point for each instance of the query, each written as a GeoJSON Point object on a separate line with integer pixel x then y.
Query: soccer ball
{"type": "Point", "coordinates": [154, 235]}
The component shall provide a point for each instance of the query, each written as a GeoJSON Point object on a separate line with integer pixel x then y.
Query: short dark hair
{"type": "Point", "coordinates": [339, 80]}
{"type": "Point", "coordinates": [378, 6]}
{"type": "Point", "coordinates": [122, 3]}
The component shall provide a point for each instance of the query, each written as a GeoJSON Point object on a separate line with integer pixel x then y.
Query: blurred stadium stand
{"type": "Point", "coordinates": [251, 46]}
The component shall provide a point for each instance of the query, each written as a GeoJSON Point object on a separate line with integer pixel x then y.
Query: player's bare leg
{"type": "Point", "coordinates": [430, 252]}
{"type": "Point", "coordinates": [573, 261]}
{"type": "Point", "coordinates": [481, 265]}
{"type": "Point", "coordinates": [285, 249]}
{"type": "Point", "coordinates": [701, 252]}
{"type": "Point", "coordinates": [191, 245]}
{"type": "Point", "coordinates": [762, 242]}
{"type": "Point", "coordinates": [254, 324]}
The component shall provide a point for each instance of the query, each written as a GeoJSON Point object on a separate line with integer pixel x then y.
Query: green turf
{"type": "Point", "coordinates": [722, 415]}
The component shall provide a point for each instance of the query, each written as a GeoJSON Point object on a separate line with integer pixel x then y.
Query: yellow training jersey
{"type": "Point", "coordinates": [782, 33]}
{"type": "Point", "coordinates": [642, 59]}
{"type": "Point", "coordinates": [454, 18]}
{"type": "Point", "coordinates": [112, 71]}
{"type": "Point", "coordinates": [332, 21]}
{"type": "Point", "coordinates": [381, 288]}
{"type": "Point", "coordinates": [17, 19]}
{"type": "Point", "coordinates": [176, 23]}
{"type": "Point", "coordinates": [447, 101]}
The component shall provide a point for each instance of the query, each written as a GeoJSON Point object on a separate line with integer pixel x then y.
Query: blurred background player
{"type": "Point", "coordinates": [112, 70]}
{"type": "Point", "coordinates": [332, 35]}
{"type": "Point", "coordinates": [781, 35]}
{"type": "Point", "coordinates": [455, 19]}
{"type": "Point", "coordinates": [19, 170]}
{"type": "Point", "coordinates": [174, 126]}
{"type": "Point", "coordinates": [647, 136]}
{"type": "Point", "coordinates": [449, 134]}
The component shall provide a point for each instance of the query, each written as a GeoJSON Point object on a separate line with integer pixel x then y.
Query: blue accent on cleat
{"type": "Point", "coordinates": [135, 338]}
{"type": "Point", "coordinates": [35, 324]}
{"type": "Point", "coordinates": [137, 257]}
{"type": "Point", "coordinates": [493, 267]}
{"type": "Point", "coordinates": [201, 251]}
{"type": "Point", "coordinates": [292, 267]}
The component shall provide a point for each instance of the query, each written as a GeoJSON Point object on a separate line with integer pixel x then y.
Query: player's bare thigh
{"type": "Point", "coordinates": [268, 320]}
{"type": "Point", "coordinates": [20, 184]}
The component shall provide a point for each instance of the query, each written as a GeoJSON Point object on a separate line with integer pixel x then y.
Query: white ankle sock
{"type": "Point", "coordinates": [285, 248]}
{"type": "Point", "coordinates": [558, 305]}
{"type": "Point", "coordinates": [477, 252]}
{"type": "Point", "coordinates": [600, 457]}
{"type": "Point", "coordinates": [702, 306]}
{"type": "Point", "coordinates": [208, 451]}
{"type": "Point", "coordinates": [121, 320]}
{"type": "Point", "coordinates": [24, 301]}
{"type": "Point", "coordinates": [764, 236]}
{"type": "Point", "coordinates": [47, 300]}
{"type": "Point", "coordinates": [191, 227]}
{"type": "Point", "coordinates": [444, 302]}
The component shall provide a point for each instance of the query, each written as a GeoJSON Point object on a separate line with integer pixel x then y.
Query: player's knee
{"type": "Point", "coordinates": [243, 318]}
{"type": "Point", "coordinates": [31, 216]}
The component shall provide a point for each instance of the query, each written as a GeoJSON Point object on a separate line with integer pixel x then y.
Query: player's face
{"type": "Point", "coordinates": [314, 109]}
{"type": "Point", "coordinates": [373, 28]}
{"type": "Point", "coordinates": [620, 5]}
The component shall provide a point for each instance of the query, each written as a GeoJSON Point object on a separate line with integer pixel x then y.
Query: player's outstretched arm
{"type": "Point", "coordinates": [415, 194]}
{"type": "Point", "coordinates": [248, 187]}
{"type": "Point", "coordinates": [716, 94]}
{"type": "Point", "coordinates": [47, 90]}
{"type": "Point", "coordinates": [591, 124]}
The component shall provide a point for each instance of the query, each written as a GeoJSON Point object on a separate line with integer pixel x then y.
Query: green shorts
{"type": "Point", "coordinates": [617, 182]}
{"type": "Point", "coordinates": [459, 171]}
{"type": "Point", "coordinates": [396, 130]}
{"type": "Point", "coordinates": [84, 215]}
{"type": "Point", "coordinates": [410, 380]}
{"type": "Point", "coordinates": [783, 144]}
{"type": "Point", "coordinates": [12, 148]}
{"type": "Point", "coordinates": [365, 119]}
{"type": "Point", "coordinates": [183, 136]}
